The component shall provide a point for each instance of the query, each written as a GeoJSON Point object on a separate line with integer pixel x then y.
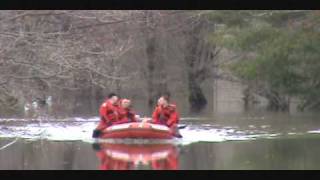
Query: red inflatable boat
{"type": "Point", "coordinates": [140, 130]}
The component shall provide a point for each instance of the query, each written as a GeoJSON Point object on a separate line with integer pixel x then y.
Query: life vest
{"type": "Point", "coordinates": [166, 115]}
{"type": "Point", "coordinates": [108, 114]}
{"type": "Point", "coordinates": [126, 115]}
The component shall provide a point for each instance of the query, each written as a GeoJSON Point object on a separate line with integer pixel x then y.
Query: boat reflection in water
{"type": "Point", "coordinates": [137, 156]}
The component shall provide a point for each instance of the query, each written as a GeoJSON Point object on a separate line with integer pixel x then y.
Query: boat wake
{"type": "Point", "coordinates": [79, 129]}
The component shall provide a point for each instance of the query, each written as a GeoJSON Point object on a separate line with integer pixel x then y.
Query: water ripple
{"type": "Point", "coordinates": [81, 129]}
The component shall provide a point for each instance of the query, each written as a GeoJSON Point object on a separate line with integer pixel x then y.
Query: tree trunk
{"type": "Point", "coordinates": [197, 99]}
{"type": "Point", "coordinates": [248, 98]}
{"type": "Point", "coordinates": [150, 50]}
{"type": "Point", "coordinates": [198, 59]}
{"type": "Point", "coordinates": [277, 102]}
{"type": "Point", "coordinates": [156, 74]}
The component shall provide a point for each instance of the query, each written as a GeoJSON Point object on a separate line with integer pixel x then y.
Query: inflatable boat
{"type": "Point", "coordinates": [140, 130]}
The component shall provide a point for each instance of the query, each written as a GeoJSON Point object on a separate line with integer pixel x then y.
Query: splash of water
{"type": "Point", "coordinates": [80, 129]}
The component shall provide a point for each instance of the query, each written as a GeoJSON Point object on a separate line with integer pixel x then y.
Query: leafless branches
{"type": "Point", "coordinates": [80, 55]}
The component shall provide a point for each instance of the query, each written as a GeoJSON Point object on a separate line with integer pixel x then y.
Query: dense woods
{"type": "Point", "coordinates": [71, 60]}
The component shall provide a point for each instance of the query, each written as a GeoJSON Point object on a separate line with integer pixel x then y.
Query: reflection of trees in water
{"type": "Point", "coordinates": [198, 156]}
{"type": "Point", "coordinates": [191, 163]}
{"type": "Point", "coordinates": [297, 153]}
{"type": "Point", "coordinates": [68, 156]}
{"type": "Point", "coordinates": [292, 153]}
{"type": "Point", "coordinates": [46, 155]}
{"type": "Point", "coordinates": [28, 154]}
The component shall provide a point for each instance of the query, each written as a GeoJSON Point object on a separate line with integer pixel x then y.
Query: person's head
{"type": "Point", "coordinates": [163, 101]}
{"type": "Point", "coordinates": [125, 103]}
{"type": "Point", "coordinates": [166, 95]}
{"type": "Point", "coordinates": [113, 98]}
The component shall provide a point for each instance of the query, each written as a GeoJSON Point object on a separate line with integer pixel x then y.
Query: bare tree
{"type": "Point", "coordinates": [76, 57]}
{"type": "Point", "coordinates": [200, 57]}
{"type": "Point", "coordinates": [43, 52]}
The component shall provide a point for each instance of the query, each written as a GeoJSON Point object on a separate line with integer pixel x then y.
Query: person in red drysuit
{"type": "Point", "coordinates": [166, 114]}
{"type": "Point", "coordinates": [126, 114]}
{"type": "Point", "coordinates": [108, 114]}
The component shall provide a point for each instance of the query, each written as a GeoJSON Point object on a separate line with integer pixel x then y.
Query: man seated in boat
{"type": "Point", "coordinates": [166, 113]}
{"type": "Point", "coordinates": [108, 114]}
{"type": "Point", "coordinates": [126, 114]}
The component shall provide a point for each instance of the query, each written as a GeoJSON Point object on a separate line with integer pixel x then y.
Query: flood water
{"type": "Point", "coordinates": [251, 141]}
